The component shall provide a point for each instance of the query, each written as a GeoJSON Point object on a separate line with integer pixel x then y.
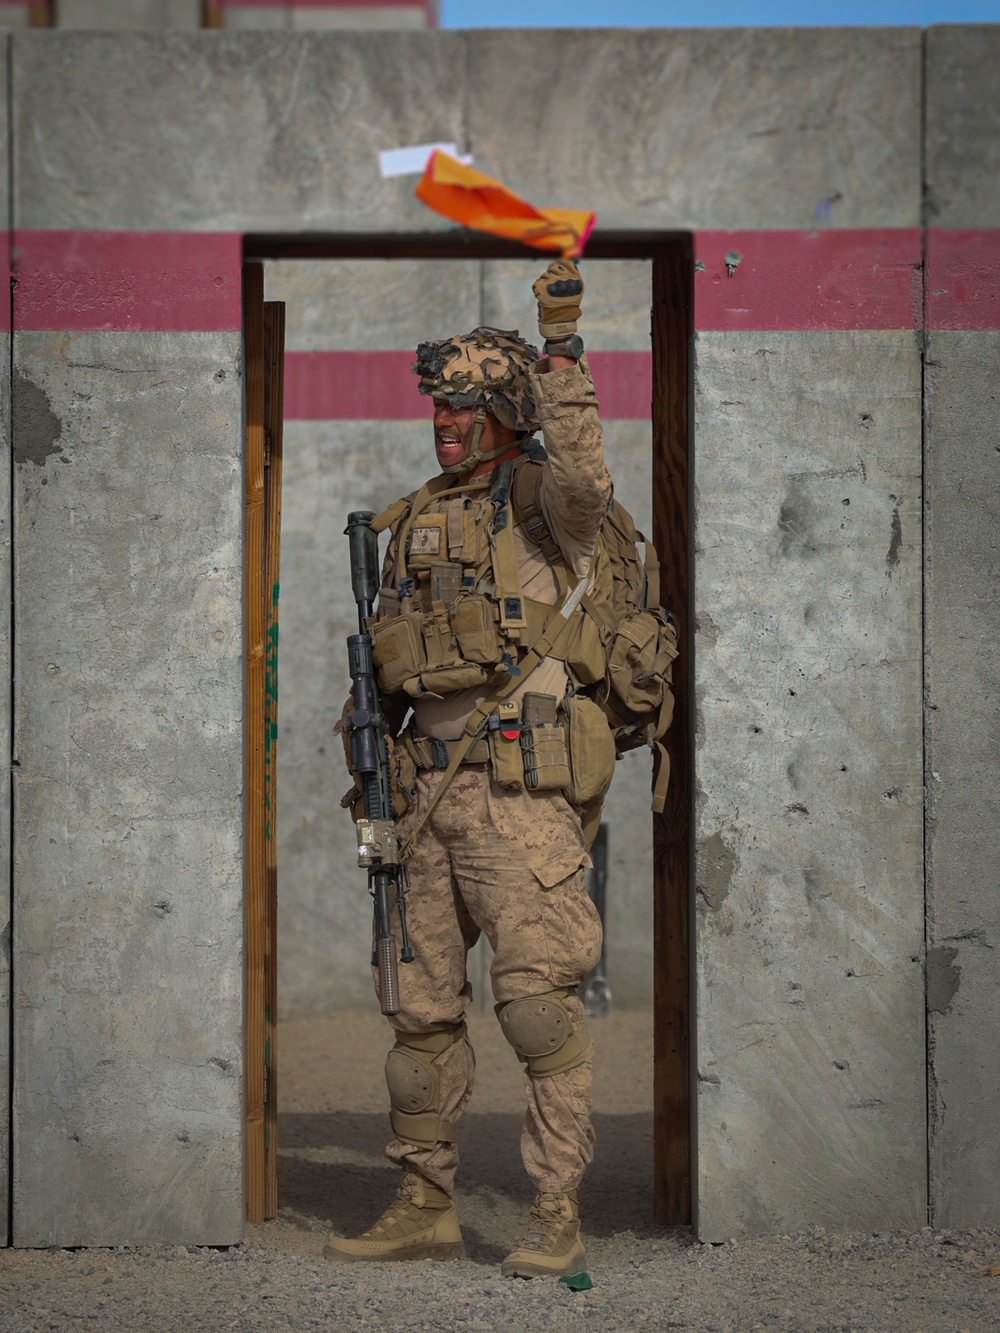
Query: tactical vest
{"type": "Point", "coordinates": [444, 625]}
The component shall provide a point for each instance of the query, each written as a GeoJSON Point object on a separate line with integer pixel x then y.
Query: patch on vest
{"type": "Point", "coordinates": [425, 541]}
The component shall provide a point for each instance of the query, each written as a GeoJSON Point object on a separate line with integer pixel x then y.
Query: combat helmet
{"type": "Point", "coordinates": [486, 369]}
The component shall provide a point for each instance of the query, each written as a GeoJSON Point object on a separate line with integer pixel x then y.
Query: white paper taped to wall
{"type": "Point", "coordinates": [411, 161]}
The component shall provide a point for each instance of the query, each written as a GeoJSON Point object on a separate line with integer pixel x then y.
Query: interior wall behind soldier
{"type": "Point", "coordinates": [336, 464]}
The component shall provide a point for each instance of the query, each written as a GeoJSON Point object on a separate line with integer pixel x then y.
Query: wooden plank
{"type": "Point", "coordinates": [256, 871]}
{"type": "Point", "coordinates": [42, 14]}
{"type": "Point", "coordinates": [213, 14]}
{"type": "Point", "coordinates": [671, 325]}
{"type": "Point", "coordinates": [274, 361]}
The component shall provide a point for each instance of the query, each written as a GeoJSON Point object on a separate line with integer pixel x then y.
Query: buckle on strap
{"type": "Point", "coordinates": [439, 752]}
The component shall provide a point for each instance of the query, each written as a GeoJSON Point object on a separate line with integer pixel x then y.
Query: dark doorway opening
{"type": "Point", "coordinates": [672, 424]}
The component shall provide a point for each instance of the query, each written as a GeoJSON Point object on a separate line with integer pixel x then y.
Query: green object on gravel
{"type": "Point", "coordinates": [577, 1282]}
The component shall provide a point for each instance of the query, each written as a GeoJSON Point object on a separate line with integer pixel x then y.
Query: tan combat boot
{"type": "Point", "coordinates": [552, 1246]}
{"type": "Point", "coordinates": [421, 1224]}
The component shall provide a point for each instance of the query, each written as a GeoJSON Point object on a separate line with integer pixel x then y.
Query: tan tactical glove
{"type": "Point", "coordinates": [559, 292]}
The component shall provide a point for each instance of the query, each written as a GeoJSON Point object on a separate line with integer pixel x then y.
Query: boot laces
{"type": "Point", "coordinates": [403, 1213]}
{"type": "Point", "coordinates": [547, 1221]}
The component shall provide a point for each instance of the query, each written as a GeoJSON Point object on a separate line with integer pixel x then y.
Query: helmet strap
{"type": "Point", "coordinates": [476, 455]}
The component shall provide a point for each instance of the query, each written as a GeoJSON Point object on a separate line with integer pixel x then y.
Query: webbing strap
{"type": "Point", "coordinates": [555, 627]}
{"type": "Point", "coordinates": [389, 516]}
{"type": "Point", "coordinates": [652, 563]}
{"type": "Point", "coordinates": [662, 779]}
{"type": "Point", "coordinates": [507, 576]}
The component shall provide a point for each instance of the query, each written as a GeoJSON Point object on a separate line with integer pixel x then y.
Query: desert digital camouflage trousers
{"type": "Point", "coordinates": [510, 865]}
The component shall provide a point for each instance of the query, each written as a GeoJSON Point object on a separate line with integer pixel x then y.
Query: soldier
{"type": "Point", "coordinates": [480, 564]}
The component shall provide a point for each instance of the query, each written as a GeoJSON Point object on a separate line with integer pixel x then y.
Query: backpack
{"type": "Point", "coordinates": [640, 644]}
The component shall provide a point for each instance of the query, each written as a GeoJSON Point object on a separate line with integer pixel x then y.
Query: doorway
{"type": "Point", "coordinates": [384, 449]}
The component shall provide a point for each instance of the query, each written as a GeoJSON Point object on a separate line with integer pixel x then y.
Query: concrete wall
{"type": "Point", "coordinates": [963, 623]}
{"type": "Point", "coordinates": [808, 935]}
{"type": "Point", "coordinates": [128, 751]}
{"type": "Point", "coordinates": [6, 672]}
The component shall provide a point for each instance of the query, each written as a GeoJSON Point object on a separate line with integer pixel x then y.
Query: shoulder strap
{"type": "Point", "coordinates": [392, 514]}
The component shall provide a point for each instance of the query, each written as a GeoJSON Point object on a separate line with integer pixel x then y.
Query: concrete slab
{"type": "Point", "coordinates": [128, 910]}
{"type": "Point", "coordinates": [963, 103]}
{"type": "Point", "coordinates": [229, 131]}
{"type": "Point", "coordinates": [963, 741]}
{"type": "Point", "coordinates": [164, 15]}
{"type": "Point", "coordinates": [362, 304]}
{"type": "Point", "coordinates": [6, 675]}
{"type": "Point", "coordinates": [809, 929]}
{"type": "Point", "coordinates": [715, 128]}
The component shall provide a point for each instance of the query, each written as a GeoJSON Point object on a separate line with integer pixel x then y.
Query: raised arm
{"type": "Point", "coordinates": [576, 488]}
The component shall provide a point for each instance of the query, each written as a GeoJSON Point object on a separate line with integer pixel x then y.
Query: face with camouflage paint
{"type": "Point", "coordinates": [454, 428]}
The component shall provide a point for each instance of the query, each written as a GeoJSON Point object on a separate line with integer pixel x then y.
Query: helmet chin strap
{"type": "Point", "coordinates": [476, 455]}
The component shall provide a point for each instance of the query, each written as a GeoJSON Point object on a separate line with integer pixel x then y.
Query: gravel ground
{"type": "Point", "coordinates": [332, 1177]}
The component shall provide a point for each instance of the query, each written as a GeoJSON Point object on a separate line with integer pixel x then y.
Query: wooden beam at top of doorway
{"type": "Point", "coordinates": [453, 244]}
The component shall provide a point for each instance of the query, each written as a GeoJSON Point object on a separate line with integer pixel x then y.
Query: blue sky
{"type": "Point", "coordinates": [711, 13]}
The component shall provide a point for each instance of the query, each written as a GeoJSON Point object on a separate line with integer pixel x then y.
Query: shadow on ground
{"type": "Point", "coordinates": [331, 1164]}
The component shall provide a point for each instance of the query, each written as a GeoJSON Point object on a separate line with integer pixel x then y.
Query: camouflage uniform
{"type": "Point", "coordinates": [504, 862]}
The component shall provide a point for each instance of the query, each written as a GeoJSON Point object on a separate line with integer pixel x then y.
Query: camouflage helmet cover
{"type": "Point", "coordinates": [488, 366]}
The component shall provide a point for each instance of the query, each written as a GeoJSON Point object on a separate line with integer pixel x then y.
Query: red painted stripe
{"type": "Point", "coordinates": [352, 386]}
{"type": "Point", "coordinates": [851, 279]}
{"type": "Point", "coordinates": [963, 279]}
{"type": "Point", "coordinates": [73, 280]}
{"type": "Point", "coordinates": [380, 386]}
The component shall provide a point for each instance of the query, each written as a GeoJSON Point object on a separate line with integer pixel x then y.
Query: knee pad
{"type": "Point", "coordinates": [414, 1093]}
{"type": "Point", "coordinates": [540, 1031]}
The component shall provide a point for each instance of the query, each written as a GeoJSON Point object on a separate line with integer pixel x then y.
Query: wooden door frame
{"type": "Point", "coordinates": [673, 423]}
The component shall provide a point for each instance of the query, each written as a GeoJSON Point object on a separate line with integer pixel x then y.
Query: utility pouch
{"type": "Point", "coordinates": [397, 650]}
{"type": "Point", "coordinates": [591, 749]}
{"type": "Point", "coordinates": [445, 680]}
{"type": "Point", "coordinates": [642, 651]}
{"type": "Point", "coordinates": [473, 627]}
{"type": "Point", "coordinates": [505, 749]}
{"type": "Point", "coordinates": [446, 580]}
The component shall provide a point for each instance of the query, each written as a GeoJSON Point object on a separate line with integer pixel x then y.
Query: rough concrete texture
{"type": "Point", "coordinates": [6, 674]}
{"type": "Point", "coordinates": [6, 668]}
{"type": "Point", "coordinates": [724, 128]}
{"type": "Point", "coordinates": [963, 108]}
{"type": "Point", "coordinates": [660, 129]}
{"type": "Point", "coordinates": [810, 1090]}
{"type": "Point", "coordinates": [128, 873]}
{"type": "Point", "coordinates": [303, 18]}
{"type": "Point", "coordinates": [176, 15]}
{"type": "Point", "coordinates": [963, 741]}
{"type": "Point", "coordinates": [333, 467]}
{"type": "Point", "coordinates": [243, 131]}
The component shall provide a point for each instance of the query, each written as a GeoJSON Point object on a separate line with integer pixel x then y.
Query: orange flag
{"type": "Point", "coordinates": [475, 200]}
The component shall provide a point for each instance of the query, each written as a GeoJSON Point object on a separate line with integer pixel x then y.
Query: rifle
{"type": "Point", "coordinates": [378, 845]}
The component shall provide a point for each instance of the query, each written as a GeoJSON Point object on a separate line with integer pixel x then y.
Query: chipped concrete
{"type": "Point", "coordinates": [128, 863]}
{"type": "Point", "coordinates": [810, 911]}
{"type": "Point", "coordinates": [36, 427]}
{"type": "Point", "coordinates": [962, 466]}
